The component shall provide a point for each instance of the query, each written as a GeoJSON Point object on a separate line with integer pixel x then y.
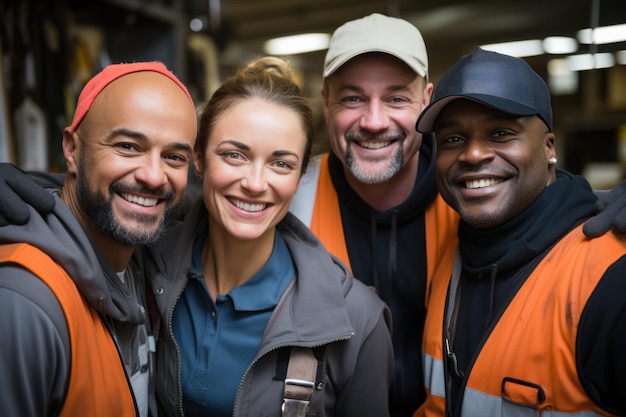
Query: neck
{"type": "Point", "coordinates": [228, 262]}
{"type": "Point", "coordinates": [391, 193]}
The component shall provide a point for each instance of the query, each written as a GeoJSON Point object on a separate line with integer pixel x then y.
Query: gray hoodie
{"type": "Point", "coordinates": [36, 361]}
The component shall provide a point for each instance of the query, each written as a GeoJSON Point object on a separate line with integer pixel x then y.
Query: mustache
{"type": "Point", "coordinates": [161, 193]}
{"type": "Point", "coordinates": [360, 135]}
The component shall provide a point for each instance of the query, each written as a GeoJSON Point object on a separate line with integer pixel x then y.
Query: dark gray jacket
{"type": "Point", "coordinates": [324, 305]}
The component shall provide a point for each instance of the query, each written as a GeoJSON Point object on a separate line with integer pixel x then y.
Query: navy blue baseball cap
{"type": "Point", "coordinates": [502, 82]}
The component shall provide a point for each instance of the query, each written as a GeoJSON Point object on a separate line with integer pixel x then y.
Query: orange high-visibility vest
{"type": "Point", "coordinates": [98, 386]}
{"type": "Point", "coordinates": [528, 365]}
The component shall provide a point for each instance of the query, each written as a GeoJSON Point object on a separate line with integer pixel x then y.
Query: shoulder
{"type": "Point", "coordinates": [601, 337]}
{"type": "Point", "coordinates": [36, 348]}
{"type": "Point", "coordinates": [364, 306]}
{"type": "Point", "coordinates": [31, 298]}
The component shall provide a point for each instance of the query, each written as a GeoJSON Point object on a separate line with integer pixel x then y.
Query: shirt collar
{"type": "Point", "coordinates": [263, 290]}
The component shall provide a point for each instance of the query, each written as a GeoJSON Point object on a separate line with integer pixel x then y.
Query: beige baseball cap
{"type": "Point", "coordinates": [377, 33]}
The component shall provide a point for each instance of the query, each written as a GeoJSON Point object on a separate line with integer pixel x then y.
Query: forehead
{"type": "Point", "coordinates": [148, 102]}
{"type": "Point", "coordinates": [382, 67]}
{"type": "Point", "coordinates": [261, 121]}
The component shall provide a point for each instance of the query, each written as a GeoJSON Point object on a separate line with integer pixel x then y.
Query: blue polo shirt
{"type": "Point", "coordinates": [218, 341]}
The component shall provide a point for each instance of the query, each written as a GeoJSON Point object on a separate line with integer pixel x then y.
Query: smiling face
{"type": "Point", "coordinates": [252, 167]}
{"type": "Point", "coordinates": [128, 161]}
{"type": "Point", "coordinates": [371, 105]}
{"type": "Point", "coordinates": [491, 166]}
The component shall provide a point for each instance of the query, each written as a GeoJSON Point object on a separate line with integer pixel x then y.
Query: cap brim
{"type": "Point", "coordinates": [428, 118]}
{"type": "Point", "coordinates": [340, 61]}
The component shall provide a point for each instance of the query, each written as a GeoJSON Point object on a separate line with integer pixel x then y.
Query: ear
{"type": "Point", "coordinates": [428, 93]}
{"type": "Point", "coordinates": [198, 165]}
{"type": "Point", "coordinates": [550, 147]}
{"type": "Point", "coordinates": [70, 150]}
{"type": "Point", "coordinates": [324, 91]}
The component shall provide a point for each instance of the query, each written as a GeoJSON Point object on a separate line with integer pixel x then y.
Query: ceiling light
{"type": "Point", "coordinates": [560, 45]}
{"type": "Point", "coordinates": [603, 34]}
{"type": "Point", "coordinates": [621, 57]}
{"type": "Point", "coordinates": [518, 49]}
{"type": "Point", "coordinates": [560, 78]}
{"type": "Point", "coordinates": [297, 44]}
{"type": "Point", "coordinates": [197, 24]}
{"type": "Point", "coordinates": [590, 61]}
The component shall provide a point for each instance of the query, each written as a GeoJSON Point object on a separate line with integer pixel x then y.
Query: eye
{"type": "Point", "coordinates": [175, 157]}
{"type": "Point", "coordinates": [177, 160]}
{"type": "Point", "coordinates": [398, 100]}
{"type": "Point", "coordinates": [449, 141]}
{"type": "Point", "coordinates": [233, 155]}
{"type": "Point", "coordinates": [126, 146]}
{"type": "Point", "coordinates": [502, 135]}
{"type": "Point", "coordinates": [283, 165]}
{"type": "Point", "coordinates": [351, 100]}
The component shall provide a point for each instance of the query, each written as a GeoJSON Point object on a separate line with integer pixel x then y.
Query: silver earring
{"type": "Point", "coordinates": [552, 160]}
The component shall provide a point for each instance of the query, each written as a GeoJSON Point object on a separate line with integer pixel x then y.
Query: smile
{"type": "Point", "coordinates": [482, 183]}
{"type": "Point", "coordinates": [251, 207]}
{"type": "Point", "coordinates": [375, 145]}
{"type": "Point", "coordinates": [142, 201]}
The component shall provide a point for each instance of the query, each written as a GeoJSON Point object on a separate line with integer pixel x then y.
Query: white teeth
{"type": "Point", "coordinates": [375, 145]}
{"type": "Point", "coordinates": [142, 201]}
{"type": "Point", "coordinates": [248, 206]}
{"type": "Point", "coordinates": [482, 183]}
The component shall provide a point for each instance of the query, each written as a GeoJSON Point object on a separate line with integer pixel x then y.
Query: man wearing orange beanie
{"type": "Point", "coordinates": [76, 335]}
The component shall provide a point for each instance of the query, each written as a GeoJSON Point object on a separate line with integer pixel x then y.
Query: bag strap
{"type": "Point", "coordinates": [300, 381]}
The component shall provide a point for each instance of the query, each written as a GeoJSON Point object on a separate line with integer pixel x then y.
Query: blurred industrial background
{"type": "Point", "coordinates": [51, 47]}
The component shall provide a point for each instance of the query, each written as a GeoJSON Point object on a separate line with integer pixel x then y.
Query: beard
{"type": "Point", "coordinates": [100, 211]}
{"type": "Point", "coordinates": [359, 168]}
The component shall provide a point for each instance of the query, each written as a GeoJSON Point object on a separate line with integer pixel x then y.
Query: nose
{"type": "Point", "coordinates": [152, 172]}
{"type": "Point", "coordinates": [476, 151]}
{"type": "Point", "coordinates": [255, 181]}
{"type": "Point", "coordinates": [375, 117]}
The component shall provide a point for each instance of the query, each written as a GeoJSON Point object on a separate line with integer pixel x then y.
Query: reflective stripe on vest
{"type": "Point", "coordinates": [534, 341]}
{"type": "Point", "coordinates": [318, 208]}
{"type": "Point", "coordinates": [98, 386]}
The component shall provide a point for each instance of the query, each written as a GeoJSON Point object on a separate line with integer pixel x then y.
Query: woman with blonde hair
{"type": "Point", "coordinates": [246, 293]}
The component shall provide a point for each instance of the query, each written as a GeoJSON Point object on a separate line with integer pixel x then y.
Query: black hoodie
{"type": "Point", "coordinates": [388, 251]}
{"type": "Point", "coordinates": [497, 261]}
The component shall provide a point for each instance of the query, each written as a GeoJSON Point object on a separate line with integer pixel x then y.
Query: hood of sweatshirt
{"type": "Point", "coordinates": [61, 236]}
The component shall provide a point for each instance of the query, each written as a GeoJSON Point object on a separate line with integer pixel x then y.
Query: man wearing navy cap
{"type": "Point", "coordinates": [533, 312]}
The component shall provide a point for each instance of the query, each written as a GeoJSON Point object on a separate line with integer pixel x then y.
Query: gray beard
{"type": "Point", "coordinates": [374, 178]}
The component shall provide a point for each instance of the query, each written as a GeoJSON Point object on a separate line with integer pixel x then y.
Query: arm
{"type": "Point", "coordinates": [601, 340]}
{"type": "Point", "coordinates": [34, 349]}
{"type": "Point", "coordinates": [367, 393]}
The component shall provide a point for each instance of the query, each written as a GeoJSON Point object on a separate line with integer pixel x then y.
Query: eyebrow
{"type": "Point", "coordinates": [142, 137]}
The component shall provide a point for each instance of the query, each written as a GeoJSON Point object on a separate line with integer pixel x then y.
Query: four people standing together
{"type": "Point", "coordinates": [242, 286]}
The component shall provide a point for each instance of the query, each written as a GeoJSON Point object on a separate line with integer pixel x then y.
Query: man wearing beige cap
{"type": "Point", "coordinates": [373, 200]}
{"type": "Point", "coordinates": [76, 335]}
